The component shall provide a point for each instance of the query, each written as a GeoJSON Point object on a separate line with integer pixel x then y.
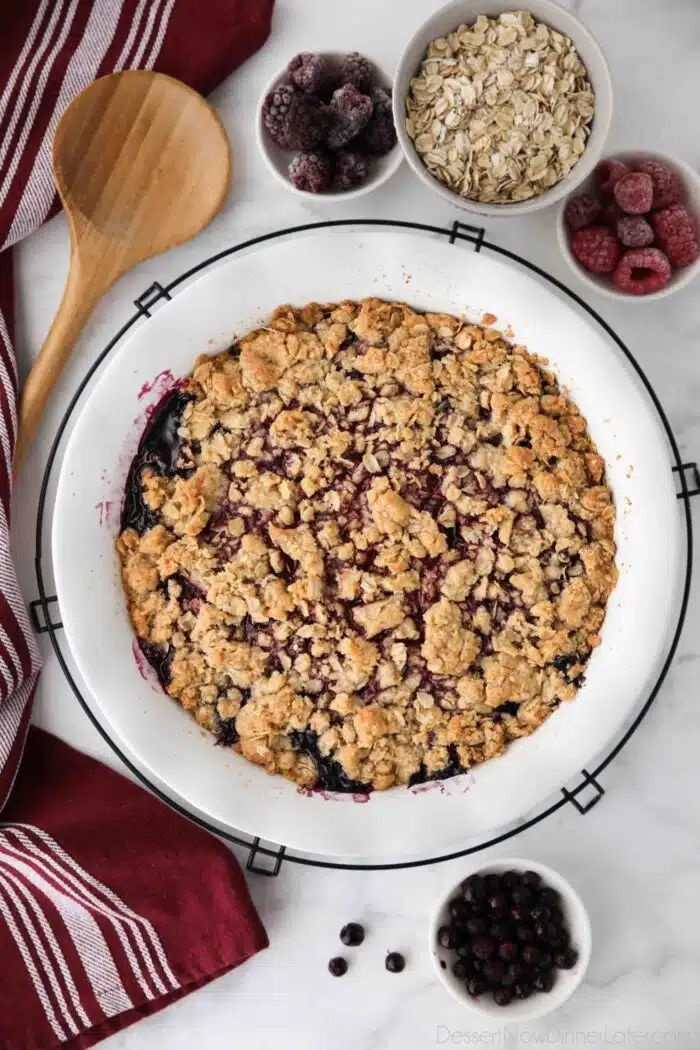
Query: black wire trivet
{"type": "Point", "coordinates": [276, 854]}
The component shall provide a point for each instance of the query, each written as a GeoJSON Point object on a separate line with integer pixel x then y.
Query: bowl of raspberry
{"type": "Point", "coordinates": [325, 126]}
{"type": "Point", "coordinates": [512, 940]}
{"type": "Point", "coordinates": [632, 230]}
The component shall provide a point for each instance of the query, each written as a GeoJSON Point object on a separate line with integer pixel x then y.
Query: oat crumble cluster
{"type": "Point", "coordinates": [368, 546]}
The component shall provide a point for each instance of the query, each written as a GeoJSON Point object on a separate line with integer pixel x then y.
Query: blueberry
{"type": "Point", "coordinates": [459, 932]}
{"type": "Point", "coordinates": [500, 930]}
{"type": "Point", "coordinates": [338, 966]}
{"type": "Point", "coordinates": [474, 888]}
{"type": "Point", "coordinates": [502, 996]}
{"type": "Point", "coordinates": [544, 980]}
{"type": "Point", "coordinates": [460, 969]}
{"type": "Point", "coordinates": [531, 954]}
{"type": "Point", "coordinates": [518, 914]}
{"type": "Point", "coordinates": [567, 959]}
{"type": "Point", "coordinates": [508, 950]}
{"type": "Point", "coordinates": [494, 970]}
{"type": "Point", "coordinates": [475, 986]}
{"type": "Point", "coordinates": [510, 879]}
{"type": "Point", "coordinates": [458, 908]}
{"type": "Point", "coordinates": [484, 946]}
{"type": "Point", "coordinates": [523, 990]}
{"type": "Point", "coordinates": [548, 897]}
{"type": "Point", "coordinates": [539, 913]}
{"type": "Point", "coordinates": [524, 933]}
{"type": "Point", "coordinates": [532, 879]}
{"type": "Point", "coordinates": [559, 939]}
{"type": "Point", "coordinates": [516, 970]}
{"type": "Point", "coordinates": [507, 980]}
{"type": "Point", "coordinates": [478, 924]}
{"type": "Point", "coordinates": [464, 950]}
{"type": "Point", "coordinates": [522, 895]}
{"type": "Point", "coordinates": [498, 902]}
{"type": "Point", "coordinates": [545, 960]}
{"type": "Point", "coordinates": [445, 939]}
{"type": "Point", "coordinates": [493, 883]}
{"type": "Point", "coordinates": [395, 962]}
{"type": "Point", "coordinates": [353, 934]}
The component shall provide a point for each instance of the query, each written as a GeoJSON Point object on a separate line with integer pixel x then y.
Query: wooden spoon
{"type": "Point", "coordinates": [141, 163]}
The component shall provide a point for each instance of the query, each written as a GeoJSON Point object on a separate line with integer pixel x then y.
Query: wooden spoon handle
{"type": "Point", "coordinates": [75, 308]}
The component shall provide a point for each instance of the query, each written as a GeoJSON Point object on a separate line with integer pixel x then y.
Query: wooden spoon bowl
{"type": "Point", "coordinates": [142, 163]}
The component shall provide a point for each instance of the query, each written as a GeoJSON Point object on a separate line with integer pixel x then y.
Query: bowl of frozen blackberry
{"type": "Point", "coordinates": [325, 126]}
{"type": "Point", "coordinates": [512, 940]}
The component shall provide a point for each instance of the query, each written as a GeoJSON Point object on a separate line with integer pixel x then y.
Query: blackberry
{"type": "Point", "coordinates": [356, 70]}
{"type": "Point", "coordinates": [350, 114]}
{"type": "Point", "coordinates": [308, 72]}
{"type": "Point", "coordinates": [349, 170]}
{"type": "Point", "coordinates": [310, 172]}
{"type": "Point", "coordinates": [380, 134]}
{"type": "Point", "coordinates": [294, 120]}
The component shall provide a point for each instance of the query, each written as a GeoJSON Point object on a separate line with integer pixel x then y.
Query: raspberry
{"type": "Point", "coordinates": [311, 172]}
{"type": "Point", "coordinates": [308, 72]}
{"type": "Point", "coordinates": [294, 120]}
{"type": "Point", "coordinates": [634, 193]}
{"type": "Point", "coordinates": [596, 248]}
{"type": "Point", "coordinates": [611, 213]}
{"type": "Point", "coordinates": [356, 70]}
{"type": "Point", "coordinates": [641, 271]}
{"type": "Point", "coordinates": [380, 135]}
{"type": "Point", "coordinates": [634, 231]}
{"type": "Point", "coordinates": [608, 173]}
{"type": "Point", "coordinates": [349, 170]}
{"type": "Point", "coordinates": [350, 114]}
{"type": "Point", "coordinates": [676, 235]}
{"type": "Point", "coordinates": [667, 183]}
{"type": "Point", "coordinates": [582, 211]}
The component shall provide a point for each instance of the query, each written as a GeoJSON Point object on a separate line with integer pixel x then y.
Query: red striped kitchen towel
{"type": "Point", "coordinates": [110, 905]}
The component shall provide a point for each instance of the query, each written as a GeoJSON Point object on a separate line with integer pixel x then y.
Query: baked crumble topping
{"type": "Point", "coordinates": [368, 546]}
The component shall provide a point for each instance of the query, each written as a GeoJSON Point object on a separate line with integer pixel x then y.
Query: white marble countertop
{"type": "Point", "coordinates": [636, 856]}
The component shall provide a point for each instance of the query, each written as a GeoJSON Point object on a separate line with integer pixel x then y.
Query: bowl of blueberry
{"type": "Point", "coordinates": [512, 940]}
{"type": "Point", "coordinates": [631, 230]}
{"type": "Point", "coordinates": [325, 126]}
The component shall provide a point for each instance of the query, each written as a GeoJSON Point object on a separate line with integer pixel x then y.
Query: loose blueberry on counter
{"type": "Point", "coordinates": [395, 962]}
{"type": "Point", "coordinates": [352, 934]}
{"type": "Point", "coordinates": [338, 966]}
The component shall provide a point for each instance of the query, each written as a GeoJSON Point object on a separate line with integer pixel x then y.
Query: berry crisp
{"type": "Point", "coordinates": [368, 546]}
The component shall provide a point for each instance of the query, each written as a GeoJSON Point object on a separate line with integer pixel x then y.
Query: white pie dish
{"type": "Point", "coordinates": [234, 297]}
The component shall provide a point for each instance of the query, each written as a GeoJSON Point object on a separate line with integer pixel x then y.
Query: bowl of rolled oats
{"type": "Point", "coordinates": [502, 111]}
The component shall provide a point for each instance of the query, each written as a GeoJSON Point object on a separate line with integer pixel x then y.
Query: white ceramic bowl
{"type": "Point", "coordinates": [540, 1003]}
{"type": "Point", "coordinates": [446, 20]}
{"type": "Point", "coordinates": [691, 199]}
{"type": "Point", "coordinates": [277, 159]}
